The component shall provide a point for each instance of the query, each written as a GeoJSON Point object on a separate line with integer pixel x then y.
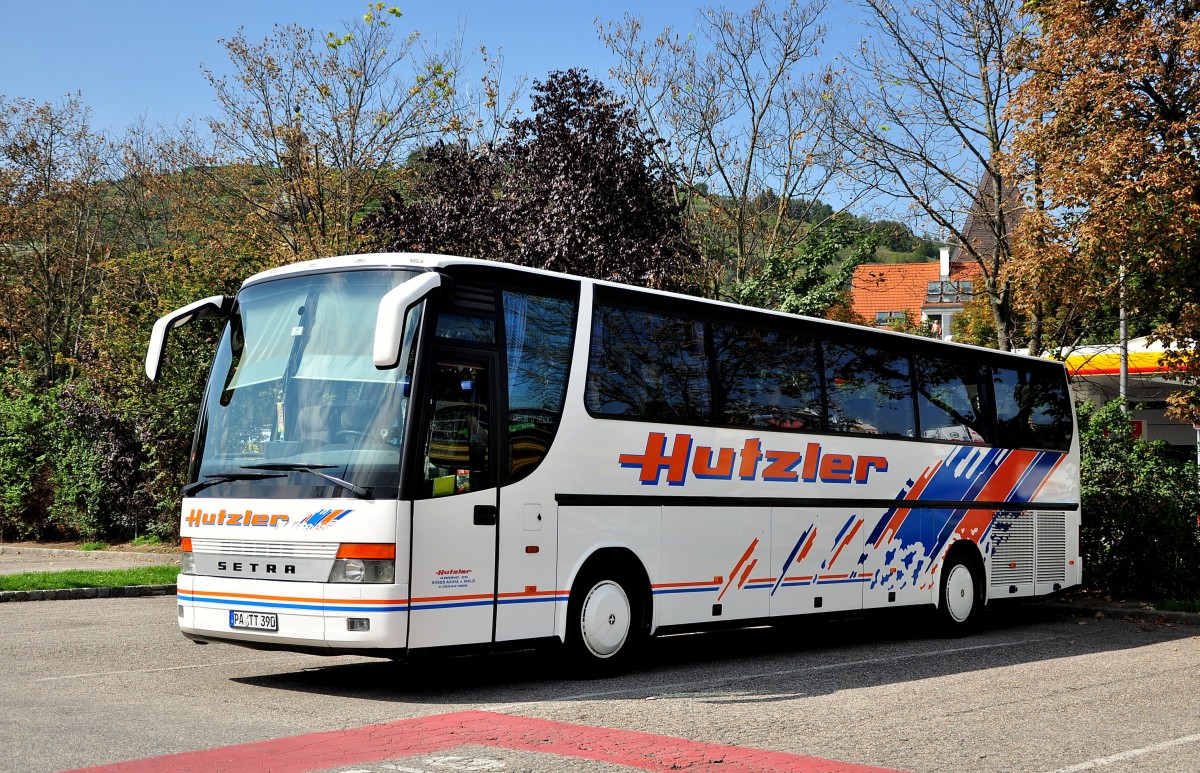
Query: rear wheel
{"type": "Point", "coordinates": [606, 622]}
{"type": "Point", "coordinates": [961, 599]}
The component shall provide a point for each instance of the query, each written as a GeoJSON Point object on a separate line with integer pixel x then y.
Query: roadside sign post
{"type": "Point", "coordinates": [1197, 428]}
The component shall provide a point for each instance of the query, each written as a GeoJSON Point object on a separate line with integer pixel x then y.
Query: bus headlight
{"type": "Point", "coordinates": [370, 563]}
{"type": "Point", "coordinates": [363, 570]}
{"type": "Point", "coordinates": [187, 560]}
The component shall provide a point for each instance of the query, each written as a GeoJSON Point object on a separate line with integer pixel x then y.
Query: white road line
{"type": "Point", "coordinates": [157, 670]}
{"type": "Point", "coordinates": [1128, 755]}
{"type": "Point", "coordinates": [662, 688]}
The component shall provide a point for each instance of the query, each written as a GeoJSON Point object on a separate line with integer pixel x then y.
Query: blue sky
{"type": "Point", "coordinates": [136, 57]}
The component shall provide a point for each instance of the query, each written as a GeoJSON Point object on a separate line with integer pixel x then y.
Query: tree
{"type": "Point", "coordinates": [323, 123]}
{"type": "Point", "coordinates": [576, 187]}
{"type": "Point", "coordinates": [171, 236]}
{"type": "Point", "coordinates": [814, 276]}
{"type": "Point", "coordinates": [919, 116]}
{"type": "Point", "coordinates": [53, 183]}
{"type": "Point", "coordinates": [739, 106]}
{"type": "Point", "coordinates": [1110, 121]}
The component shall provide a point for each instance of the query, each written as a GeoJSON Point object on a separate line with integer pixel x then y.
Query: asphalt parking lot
{"type": "Point", "coordinates": [109, 681]}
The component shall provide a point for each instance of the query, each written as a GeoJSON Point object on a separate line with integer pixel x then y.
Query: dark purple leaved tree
{"type": "Point", "coordinates": [576, 188]}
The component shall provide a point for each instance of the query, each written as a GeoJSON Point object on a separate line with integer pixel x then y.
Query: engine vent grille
{"type": "Point", "coordinates": [266, 549]}
{"type": "Point", "coordinates": [1013, 549]}
{"type": "Point", "coordinates": [1051, 547]}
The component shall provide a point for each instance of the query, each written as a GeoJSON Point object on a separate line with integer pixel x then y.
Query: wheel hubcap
{"type": "Point", "coordinates": [960, 593]}
{"type": "Point", "coordinates": [605, 619]}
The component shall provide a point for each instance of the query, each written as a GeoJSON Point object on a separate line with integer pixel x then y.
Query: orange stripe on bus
{"type": "Point", "coordinates": [472, 597]}
{"type": "Point", "coordinates": [683, 584]}
{"type": "Point", "coordinates": [299, 599]}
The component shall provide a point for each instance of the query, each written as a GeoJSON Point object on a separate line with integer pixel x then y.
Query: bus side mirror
{"type": "Point", "coordinates": [214, 306]}
{"type": "Point", "coordinates": [393, 307]}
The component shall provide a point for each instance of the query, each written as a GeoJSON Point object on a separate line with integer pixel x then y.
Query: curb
{"type": "Point", "coordinates": [95, 555]}
{"type": "Point", "coordinates": [1121, 613]}
{"type": "Point", "coordinates": [63, 594]}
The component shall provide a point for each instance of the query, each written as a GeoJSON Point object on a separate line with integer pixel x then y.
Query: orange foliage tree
{"type": "Point", "coordinates": [1110, 128]}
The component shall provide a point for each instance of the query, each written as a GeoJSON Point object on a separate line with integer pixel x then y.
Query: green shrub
{"type": "Point", "coordinates": [99, 483]}
{"type": "Point", "coordinates": [28, 419]}
{"type": "Point", "coordinates": [1139, 533]}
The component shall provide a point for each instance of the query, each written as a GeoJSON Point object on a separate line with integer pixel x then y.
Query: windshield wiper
{"type": "Point", "coordinates": [315, 469]}
{"type": "Point", "coordinates": [225, 477]}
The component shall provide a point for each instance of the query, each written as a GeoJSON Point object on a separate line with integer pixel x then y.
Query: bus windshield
{"type": "Point", "coordinates": [295, 406]}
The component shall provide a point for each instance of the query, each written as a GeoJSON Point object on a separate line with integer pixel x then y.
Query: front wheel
{"type": "Point", "coordinates": [606, 623]}
{"type": "Point", "coordinates": [961, 599]}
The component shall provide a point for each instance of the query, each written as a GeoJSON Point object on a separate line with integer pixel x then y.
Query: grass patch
{"type": "Point", "coordinates": [88, 578]}
{"type": "Point", "coordinates": [147, 539]}
{"type": "Point", "coordinates": [94, 546]}
{"type": "Point", "coordinates": [1177, 605]}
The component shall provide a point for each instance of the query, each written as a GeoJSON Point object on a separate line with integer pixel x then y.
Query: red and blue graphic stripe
{"type": "Point", "coordinates": [708, 586]}
{"type": "Point", "coordinates": [967, 475]}
{"type": "Point", "coordinates": [323, 518]}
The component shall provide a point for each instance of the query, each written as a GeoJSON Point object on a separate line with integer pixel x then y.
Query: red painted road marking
{"type": "Point", "coordinates": [428, 735]}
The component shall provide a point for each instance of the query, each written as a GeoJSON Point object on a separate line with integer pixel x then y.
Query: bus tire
{"type": "Point", "coordinates": [960, 600]}
{"type": "Point", "coordinates": [606, 622]}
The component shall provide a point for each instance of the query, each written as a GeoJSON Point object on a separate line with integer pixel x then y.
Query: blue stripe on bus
{"type": "Point", "coordinates": [296, 607]}
{"type": "Point", "coordinates": [315, 607]}
{"type": "Point", "coordinates": [452, 605]}
{"type": "Point", "coordinates": [532, 600]}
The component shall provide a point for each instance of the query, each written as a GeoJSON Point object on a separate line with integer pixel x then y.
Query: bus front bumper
{"type": "Point", "coordinates": [307, 616]}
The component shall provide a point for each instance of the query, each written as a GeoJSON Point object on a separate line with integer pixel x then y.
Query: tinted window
{"type": "Point", "coordinates": [765, 378]}
{"type": "Point", "coordinates": [869, 391]}
{"type": "Point", "coordinates": [456, 448]}
{"type": "Point", "coordinates": [294, 383]}
{"type": "Point", "coordinates": [476, 328]}
{"type": "Point", "coordinates": [949, 400]}
{"type": "Point", "coordinates": [648, 365]}
{"type": "Point", "coordinates": [539, 334]}
{"type": "Point", "coordinates": [1033, 410]}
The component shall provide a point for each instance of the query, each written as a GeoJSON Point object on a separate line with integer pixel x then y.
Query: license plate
{"type": "Point", "coordinates": [254, 621]}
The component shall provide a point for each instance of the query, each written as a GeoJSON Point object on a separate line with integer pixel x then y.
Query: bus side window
{"type": "Point", "coordinates": [869, 391]}
{"type": "Point", "coordinates": [765, 378]}
{"type": "Point", "coordinates": [539, 332]}
{"type": "Point", "coordinates": [1032, 410]}
{"type": "Point", "coordinates": [647, 365]}
{"type": "Point", "coordinates": [457, 458]}
{"type": "Point", "coordinates": [950, 400]}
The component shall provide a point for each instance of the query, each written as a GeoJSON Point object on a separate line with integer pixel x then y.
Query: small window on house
{"type": "Point", "coordinates": [959, 291]}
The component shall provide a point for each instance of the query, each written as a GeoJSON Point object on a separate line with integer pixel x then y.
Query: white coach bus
{"type": "Point", "coordinates": [410, 453]}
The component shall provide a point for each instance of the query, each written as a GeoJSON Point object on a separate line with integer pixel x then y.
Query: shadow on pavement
{"type": "Point", "coordinates": [811, 656]}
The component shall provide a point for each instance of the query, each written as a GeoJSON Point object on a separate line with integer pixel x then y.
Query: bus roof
{"type": "Point", "coordinates": [426, 261]}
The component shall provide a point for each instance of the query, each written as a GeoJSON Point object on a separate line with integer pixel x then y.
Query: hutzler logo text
{"type": "Point", "coordinates": [197, 517]}
{"type": "Point", "coordinates": [750, 462]}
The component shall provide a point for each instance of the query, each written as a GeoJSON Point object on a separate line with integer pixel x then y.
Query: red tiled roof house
{"type": "Point", "coordinates": [922, 292]}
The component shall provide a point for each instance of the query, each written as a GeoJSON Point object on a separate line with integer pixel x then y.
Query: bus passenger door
{"type": "Point", "coordinates": [453, 568]}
